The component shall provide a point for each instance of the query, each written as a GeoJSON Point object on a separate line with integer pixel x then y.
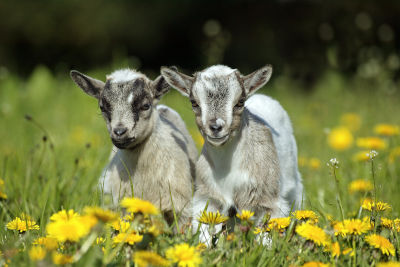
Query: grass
{"type": "Point", "coordinates": [51, 160]}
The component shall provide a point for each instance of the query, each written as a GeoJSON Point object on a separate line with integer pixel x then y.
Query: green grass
{"type": "Point", "coordinates": [60, 171]}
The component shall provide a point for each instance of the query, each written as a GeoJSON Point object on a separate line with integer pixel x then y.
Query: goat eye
{"type": "Point", "coordinates": [146, 106]}
{"type": "Point", "coordinates": [194, 104]}
{"type": "Point", "coordinates": [240, 103]}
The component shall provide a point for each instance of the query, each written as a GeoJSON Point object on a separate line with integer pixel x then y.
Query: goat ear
{"type": "Point", "coordinates": [178, 80]}
{"type": "Point", "coordinates": [89, 85]}
{"type": "Point", "coordinates": [257, 79]}
{"type": "Point", "coordinates": [159, 87]}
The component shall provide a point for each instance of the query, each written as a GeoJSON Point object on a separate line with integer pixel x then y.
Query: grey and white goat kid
{"type": "Point", "coordinates": [153, 152]}
{"type": "Point", "coordinates": [249, 159]}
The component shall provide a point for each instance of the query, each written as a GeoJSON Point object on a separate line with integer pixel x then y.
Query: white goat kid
{"type": "Point", "coordinates": [153, 152]}
{"type": "Point", "coordinates": [249, 159]}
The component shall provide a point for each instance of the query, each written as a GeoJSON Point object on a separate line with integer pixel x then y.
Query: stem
{"type": "Point", "coordinates": [85, 247]}
{"type": "Point", "coordinates": [354, 252]}
{"type": "Point", "coordinates": [373, 210]}
{"type": "Point", "coordinates": [338, 196]}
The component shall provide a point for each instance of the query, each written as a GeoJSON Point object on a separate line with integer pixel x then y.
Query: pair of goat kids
{"type": "Point", "coordinates": [248, 161]}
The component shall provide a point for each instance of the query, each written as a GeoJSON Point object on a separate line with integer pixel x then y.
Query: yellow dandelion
{"type": "Point", "coordinates": [380, 242]}
{"type": "Point", "coordinates": [315, 264]}
{"type": "Point", "coordinates": [37, 253]}
{"type": "Point", "coordinates": [137, 205]}
{"type": "Point", "coordinates": [387, 223]}
{"type": "Point", "coordinates": [371, 143]}
{"type": "Point", "coordinates": [22, 225]}
{"type": "Point", "coordinates": [361, 156]}
{"type": "Point", "coordinates": [129, 217]}
{"type": "Point", "coordinates": [396, 225]}
{"type": "Point", "coordinates": [394, 153]}
{"type": "Point", "coordinates": [245, 215]}
{"type": "Point", "coordinates": [48, 242]}
{"type": "Point", "coordinates": [64, 215]}
{"type": "Point", "coordinates": [278, 224]}
{"type": "Point", "coordinates": [306, 215]}
{"type": "Point", "coordinates": [201, 246]}
{"type": "Point", "coordinates": [148, 258]}
{"type": "Point", "coordinates": [351, 227]}
{"type": "Point", "coordinates": [120, 225]}
{"type": "Point", "coordinates": [360, 185]}
{"type": "Point", "coordinates": [259, 230]}
{"type": "Point", "coordinates": [70, 230]}
{"type": "Point", "coordinates": [388, 264]}
{"type": "Point", "coordinates": [351, 121]}
{"type": "Point", "coordinates": [100, 240]}
{"type": "Point", "coordinates": [313, 233]}
{"type": "Point", "coordinates": [231, 237]}
{"type": "Point", "coordinates": [198, 139]}
{"type": "Point", "coordinates": [212, 218]}
{"type": "Point", "coordinates": [101, 214]}
{"type": "Point", "coordinates": [368, 204]}
{"type": "Point", "coordinates": [348, 251]}
{"type": "Point", "coordinates": [335, 249]}
{"type": "Point", "coordinates": [61, 259]}
{"type": "Point", "coordinates": [154, 230]}
{"type": "Point", "coordinates": [184, 255]}
{"type": "Point", "coordinates": [130, 238]}
{"type": "Point", "coordinates": [340, 138]}
{"type": "Point", "coordinates": [314, 163]}
{"type": "Point", "coordinates": [387, 129]}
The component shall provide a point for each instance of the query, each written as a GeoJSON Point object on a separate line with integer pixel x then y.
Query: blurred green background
{"type": "Point", "coordinates": [330, 58]}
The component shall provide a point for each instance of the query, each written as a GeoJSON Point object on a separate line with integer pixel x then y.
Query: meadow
{"type": "Point", "coordinates": [54, 144]}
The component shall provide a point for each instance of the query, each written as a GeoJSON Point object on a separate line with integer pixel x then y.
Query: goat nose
{"type": "Point", "coordinates": [215, 127]}
{"type": "Point", "coordinates": [120, 131]}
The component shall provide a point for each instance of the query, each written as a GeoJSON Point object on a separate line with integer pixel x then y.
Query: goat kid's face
{"type": "Point", "coordinates": [218, 95]}
{"type": "Point", "coordinates": [127, 106]}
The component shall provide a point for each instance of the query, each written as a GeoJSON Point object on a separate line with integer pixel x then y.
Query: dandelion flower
{"type": "Point", "coordinates": [212, 218]}
{"type": "Point", "coordinates": [314, 163]}
{"type": "Point", "coordinates": [348, 251]}
{"type": "Point", "coordinates": [351, 227]}
{"type": "Point", "coordinates": [387, 223]}
{"type": "Point", "coordinates": [100, 240]}
{"type": "Point", "coordinates": [380, 242]}
{"type": "Point", "coordinates": [137, 205]}
{"type": "Point", "coordinates": [130, 238]}
{"type": "Point", "coordinates": [101, 214]}
{"type": "Point", "coordinates": [340, 138]}
{"type": "Point", "coordinates": [315, 264]}
{"type": "Point", "coordinates": [396, 225]}
{"type": "Point", "coordinates": [37, 253]}
{"type": "Point", "coordinates": [48, 242]}
{"type": "Point", "coordinates": [69, 230]}
{"type": "Point", "coordinates": [368, 204]}
{"type": "Point", "coordinates": [360, 185]}
{"type": "Point", "coordinates": [278, 224]}
{"type": "Point", "coordinates": [335, 249]}
{"type": "Point", "coordinates": [361, 156]}
{"type": "Point", "coordinates": [388, 264]}
{"type": "Point", "coordinates": [22, 225]}
{"type": "Point", "coordinates": [306, 215]}
{"type": "Point", "coordinates": [184, 255]}
{"type": "Point", "coordinates": [313, 233]}
{"type": "Point", "coordinates": [245, 215]}
{"type": "Point", "coordinates": [371, 143]}
{"type": "Point", "coordinates": [120, 225]}
{"type": "Point", "coordinates": [351, 121]}
{"type": "Point", "coordinates": [387, 129]}
{"type": "Point", "coordinates": [61, 259]}
{"type": "Point", "coordinates": [148, 258]}
{"type": "Point", "coordinates": [64, 215]}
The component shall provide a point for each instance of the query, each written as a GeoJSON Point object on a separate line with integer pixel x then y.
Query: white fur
{"type": "Point", "coordinates": [291, 187]}
{"type": "Point", "coordinates": [220, 70]}
{"type": "Point", "coordinates": [130, 98]}
{"type": "Point", "coordinates": [124, 75]}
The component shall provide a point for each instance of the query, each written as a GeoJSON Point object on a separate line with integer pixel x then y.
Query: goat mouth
{"type": "Point", "coordinates": [217, 141]}
{"type": "Point", "coordinates": [123, 144]}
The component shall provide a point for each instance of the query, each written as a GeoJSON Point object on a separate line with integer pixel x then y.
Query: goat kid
{"type": "Point", "coordinates": [153, 152]}
{"type": "Point", "coordinates": [249, 159]}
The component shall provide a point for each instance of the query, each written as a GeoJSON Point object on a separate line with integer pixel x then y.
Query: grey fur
{"type": "Point", "coordinates": [156, 154]}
